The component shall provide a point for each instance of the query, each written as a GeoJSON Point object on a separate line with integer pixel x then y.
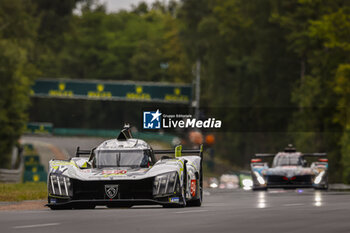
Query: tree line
{"type": "Point", "coordinates": [289, 58]}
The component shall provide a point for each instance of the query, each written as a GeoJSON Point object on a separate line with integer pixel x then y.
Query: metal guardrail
{"type": "Point", "coordinates": [12, 175]}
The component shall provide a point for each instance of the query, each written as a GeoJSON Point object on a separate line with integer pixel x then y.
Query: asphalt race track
{"type": "Point", "coordinates": [222, 211]}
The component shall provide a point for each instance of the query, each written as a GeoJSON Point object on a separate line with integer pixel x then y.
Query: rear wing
{"type": "Point", "coordinates": [304, 154]}
{"type": "Point", "coordinates": [256, 160]}
{"type": "Point", "coordinates": [264, 155]}
{"type": "Point", "coordinates": [322, 157]}
{"type": "Point", "coordinates": [179, 151]}
{"type": "Point", "coordinates": [314, 155]}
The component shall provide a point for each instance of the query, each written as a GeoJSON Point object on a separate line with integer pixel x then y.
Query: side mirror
{"type": "Point", "coordinates": [178, 150]}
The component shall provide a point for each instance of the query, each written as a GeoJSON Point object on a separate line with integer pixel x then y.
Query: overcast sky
{"type": "Point", "coordinates": [115, 5]}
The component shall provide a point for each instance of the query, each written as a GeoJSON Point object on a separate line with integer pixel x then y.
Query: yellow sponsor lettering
{"type": "Point", "coordinates": [138, 89]}
{"type": "Point", "coordinates": [41, 129]}
{"type": "Point", "coordinates": [94, 94]}
{"type": "Point", "coordinates": [62, 86]}
{"type": "Point", "coordinates": [138, 94]}
{"type": "Point", "coordinates": [170, 97]}
{"type": "Point", "coordinates": [177, 91]}
{"type": "Point", "coordinates": [99, 93]}
{"type": "Point", "coordinates": [100, 87]}
{"type": "Point", "coordinates": [143, 96]}
{"type": "Point", "coordinates": [60, 93]}
{"type": "Point", "coordinates": [36, 178]}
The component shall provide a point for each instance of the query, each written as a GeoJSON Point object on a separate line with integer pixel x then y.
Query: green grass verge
{"type": "Point", "coordinates": [23, 191]}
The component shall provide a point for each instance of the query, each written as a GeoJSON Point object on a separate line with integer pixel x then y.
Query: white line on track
{"type": "Point", "coordinates": [37, 225]}
{"type": "Point", "coordinates": [293, 204]}
{"type": "Point", "coordinates": [191, 211]}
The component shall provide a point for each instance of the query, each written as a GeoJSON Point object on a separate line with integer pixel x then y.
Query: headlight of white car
{"type": "Point", "coordinates": [165, 184]}
{"type": "Point", "coordinates": [60, 185]}
{"type": "Point", "coordinates": [247, 184]}
{"type": "Point", "coordinates": [260, 179]}
{"type": "Point", "coordinates": [319, 177]}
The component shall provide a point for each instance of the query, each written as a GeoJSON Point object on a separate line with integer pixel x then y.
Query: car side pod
{"type": "Point", "coordinates": [178, 154]}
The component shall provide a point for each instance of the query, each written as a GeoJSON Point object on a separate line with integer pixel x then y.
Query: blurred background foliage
{"type": "Point", "coordinates": [254, 54]}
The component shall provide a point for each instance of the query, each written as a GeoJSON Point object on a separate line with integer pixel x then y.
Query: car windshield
{"type": "Point", "coordinates": [121, 158]}
{"type": "Point", "coordinates": [287, 160]}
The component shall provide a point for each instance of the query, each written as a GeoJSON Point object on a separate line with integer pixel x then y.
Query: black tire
{"type": "Point", "coordinates": [194, 203]}
{"type": "Point", "coordinates": [324, 188]}
{"type": "Point", "coordinates": [321, 189]}
{"type": "Point", "coordinates": [197, 202]}
{"type": "Point", "coordinates": [259, 188]}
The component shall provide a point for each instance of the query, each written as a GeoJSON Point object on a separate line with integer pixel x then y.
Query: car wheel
{"type": "Point", "coordinates": [197, 202]}
{"type": "Point", "coordinates": [324, 188]}
{"type": "Point", "coordinates": [259, 188]}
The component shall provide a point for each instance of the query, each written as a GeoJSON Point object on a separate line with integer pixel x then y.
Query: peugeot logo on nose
{"type": "Point", "coordinates": [111, 190]}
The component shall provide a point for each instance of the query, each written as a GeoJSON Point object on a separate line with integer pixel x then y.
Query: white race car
{"type": "Point", "coordinates": [290, 170]}
{"type": "Point", "coordinates": [123, 172]}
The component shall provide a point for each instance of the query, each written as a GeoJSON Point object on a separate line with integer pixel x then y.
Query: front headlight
{"type": "Point", "coordinates": [247, 184]}
{"type": "Point", "coordinates": [319, 177]}
{"type": "Point", "coordinates": [60, 185]}
{"type": "Point", "coordinates": [259, 178]}
{"type": "Point", "coordinates": [165, 184]}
